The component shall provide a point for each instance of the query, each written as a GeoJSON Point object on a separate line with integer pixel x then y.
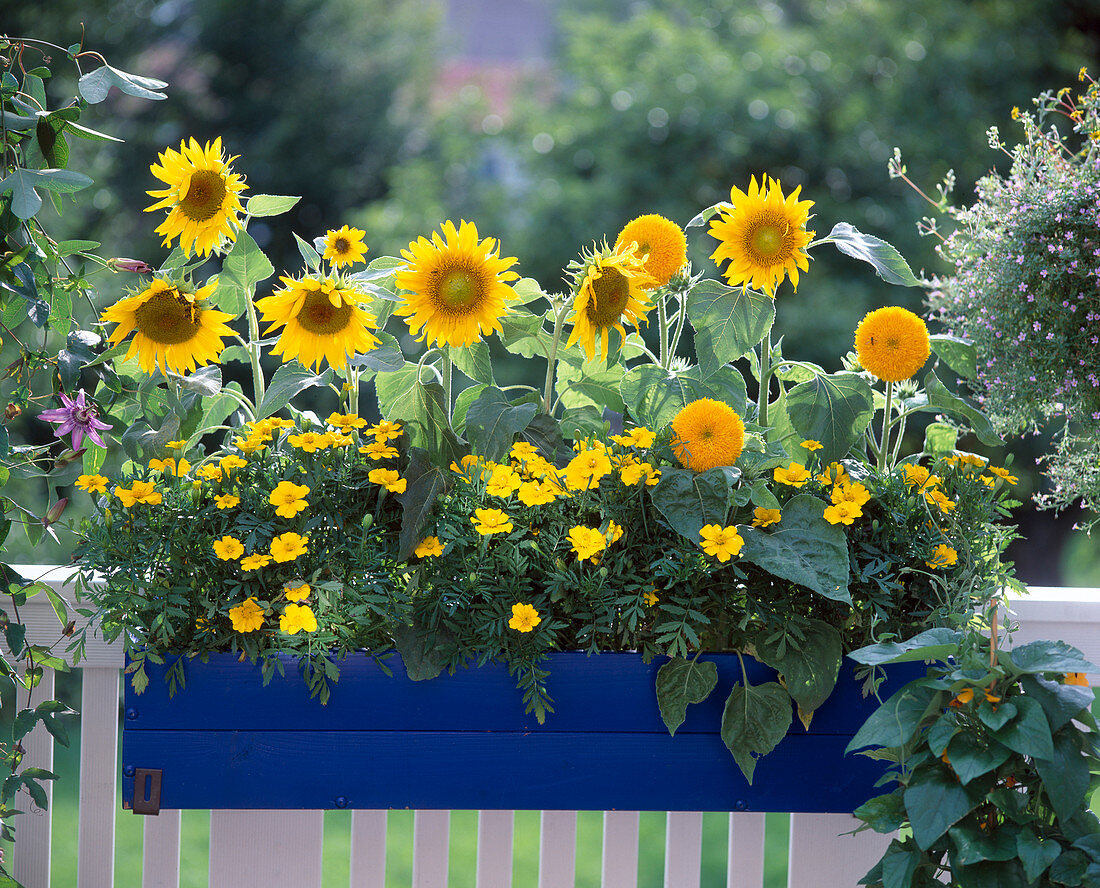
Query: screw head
{"type": "Point", "coordinates": [131, 715]}
{"type": "Point", "coordinates": [740, 805]}
{"type": "Point", "coordinates": [128, 771]}
{"type": "Point", "coordinates": [341, 802]}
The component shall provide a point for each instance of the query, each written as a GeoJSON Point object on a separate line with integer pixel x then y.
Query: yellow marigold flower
{"type": "Point", "coordinates": [228, 548]}
{"type": "Point", "coordinates": [490, 521]}
{"type": "Point", "coordinates": [794, 475]}
{"type": "Point", "coordinates": [943, 556]}
{"type": "Point", "coordinates": [587, 542]}
{"type": "Point", "coordinates": [659, 242]}
{"type": "Point", "coordinates": [227, 501]}
{"type": "Point", "coordinates": [856, 494]}
{"type": "Point", "coordinates": [169, 465]}
{"type": "Point", "coordinates": [210, 472]}
{"type": "Point", "coordinates": [987, 481]}
{"type": "Point", "coordinates": [608, 291]}
{"type": "Point", "coordinates": [139, 492]}
{"type": "Point", "coordinates": [321, 321]}
{"type": "Point", "coordinates": [92, 483]}
{"type": "Point", "coordinates": [534, 493]}
{"type": "Point", "coordinates": [763, 235]}
{"type": "Point", "coordinates": [247, 616]}
{"type": "Point", "coordinates": [834, 474]}
{"type": "Point", "coordinates": [231, 462]}
{"type": "Point", "coordinates": [636, 437]}
{"type": "Point", "coordinates": [297, 618]}
{"type": "Point", "coordinates": [297, 593]}
{"type": "Point", "coordinates": [721, 542]}
{"type": "Point", "coordinates": [1077, 678]}
{"type": "Point", "coordinates": [176, 445]}
{"type": "Point", "coordinates": [970, 459]}
{"type": "Point", "coordinates": [811, 445]}
{"type": "Point", "coordinates": [1003, 474]}
{"type": "Point", "coordinates": [585, 470]}
{"type": "Point", "coordinates": [385, 430]}
{"type": "Point", "coordinates": [255, 561]}
{"type": "Point", "coordinates": [503, 482]}
{"type": "Point", "coordinates": [940, 499]}
{"type": "Point", "coordinates": [962, 698]}
{"type": "Point", "coordinates": [892, 343]}
{"type": "Point", "coordinates": [251, 444]}
{"type": "Point", "coordinates": [614, 532]}
{"type": "Point", "coordinates": [1015, 112]}
{"type": "Point", "coordinates": [524, 617]}
{"type": "Point", "coordinates": [378, 450]}
{"type": "Point", "coordinates": [346, 421]}
{"type": "Point", "coordinates": [310, 442]}
{"type": "Point", "coordinates": [288, 546]}
{"type": "Point", "coordinates": [918, 476]}
{"type": "Point", "coordinates": [707, 434]}
{"type": "Point", "coordinates": [844, 512]}
{"type": "Point", "coordinates": [288, 498]}
{"type": "Point", "coordinates": [650, 598]}
{"type": "Point", "coordinates": [456, 285]}
{"type": "Point", "coordinates": [521, 451]}
{"type": "Point", "coordinates": [634, 472]}
{"type": "Point", "coordinates": [388, 478]}
{"type": "Point", "coordinates": [428, 547]}
{"type": "Point", "coordinates": [344, 246]}
{"type": "Point", "coordinates": [763, 517]}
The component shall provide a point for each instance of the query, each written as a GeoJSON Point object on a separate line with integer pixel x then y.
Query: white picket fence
{"type": "Point", "coordinates": [270, 849]}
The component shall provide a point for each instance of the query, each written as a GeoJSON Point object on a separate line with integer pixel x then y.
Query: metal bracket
{"type": "Point", "coordinates": [147, 790]}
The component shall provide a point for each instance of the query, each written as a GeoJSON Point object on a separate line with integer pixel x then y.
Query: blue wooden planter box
{"type": "Point", "coordinates": [462, 741]}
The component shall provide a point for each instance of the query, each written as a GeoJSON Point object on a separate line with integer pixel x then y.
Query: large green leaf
{"type": "Point", "coordinates": [884, 813]}
{"type": "Point", "coordinates": [680, 682]}
{"type": "Point", "coordinates": [95, 85]}
{"type": "Point", "coordinates": [961, 355]}
{"type": "Point", "coordinates": [1049, 656]}
{"type": "Point", "coordinates": [833, 409]}
{"type": "Point", "coordinates": [942, 400]}
{"type": "Point", "coordinates": [689, 500]}
{"type": "Point", "coordinates": [973, 844]}
{"type": "Point", "coordinates": [933, 644]}
{"type": "Point", "coordinates": [421, 407]}
{"type": "Point", "coordinates": [654, 396]}
{"type": "Point", "coordinates": [809, 667]}
{"type": "Point", "coordinates": [384, 358]}
{"type": "Point", "coordinates": [1065, 773]}
{"type": "Point", "coordinates": [492, 423]}
{"type": "Point", "coordinates": [803, 548]}
{"type": "Point", "coordinates": [885, 259]}
{"type": "Point", "coordinates": [971, 758]}
{"type": "Point", "coordinates": [522, 334]}
{"type": "Point", "coordinates": [473, 360]}
{"type": "Point", "coordinates": [728, 321]}
{"type": "Point", "coordinates": [1060, 702]}
{"type": "Point", "coordinates": [1035, 854]}
{"type": "Point", "coordinates": [895, 721]}
{"type": "Point", "coordinates": [288, 381]}
{"type": "Point", "coordinates": [426, 482]}
{"type": "Point", "coordinates": [755, 719]}
{"type": "Point", "coordinates": [22, 183]}
{"type": "Point", "coordinates": [935, 801]}
{"type": "Point", "coordinates": [1029, 732]}
{"type": "Point", "coordinates": [270, 204]}
{"type": "Point", "coordinates": [245, 266]}
{"type": "Point", "coordinates": [583, 383]}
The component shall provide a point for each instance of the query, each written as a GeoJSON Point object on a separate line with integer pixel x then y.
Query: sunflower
{"type": "Point", "coordinates": [320, 320]}
{"type": "Point", "coordinates": [660, 241]}
{"type": "Point", "coordinates": [763, 235]}
{"type": "Point", "coordinates": [344, 246]}
{"type": "Point", "coordinates": [707, 434]}
{"type": "Point", "coordinates": [892, 343]}
{"type": "Point", "coordinates": [175, 331]}
{"type": "Point", "coordinates": [202, 197]}
{"type": "Point", "coordinates": [609, 288]}
{"type": "Point", "coordinates": [457, 286]}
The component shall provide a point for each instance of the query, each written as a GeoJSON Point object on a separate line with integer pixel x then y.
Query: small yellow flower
{"type": "Point", "coordinates": [614, 532]}
{"type": "Point", "coordinates": [587, 542]}
{"type": "Point", "coordinates": [721, 542]}
{"type": "Point", "coordinates": [92, 483]}
{"type": "Point", "coordinates": [794, 475]}
{"type": "Point", "coordinates": [288, 546]}
{"type": "Point", "coordinates": [389, 478]}
{"type": "Point", "coordinates": [834, 474]}
{"type": "Point", "coordinates": [251, 444]}
{"type": "Point", "coordinates": [247, 616]}
{"type": "Point", "coordinates": [524, 617]}
{"type": "Point", "coordinates": [534, 493]}
{"type": "Point", "coordinates": [918, 477]}
{"type": "Point", "coordinates": [169, 465]}
{"type": "Point", "coordinates": [428, 547]}
{"type": "Point", "coordinates": [650, 598]}
{"type": "Point", "coordinates": [585, 470]}
{"type": "Point", "coordinates": [940, 499]}
{"type": "Point", "coordinates": [811, 445]}
{"type": "Point", "coordinates": [1004, 474]}
{"type": "Point", "coordinates": [856, 494]}
{"type": "Point", "coordinates": [1082, 74]}
{"type": "Point", "coordinates": [1015, 112]}
{"type": "Point", "coordinates": [227, 501]}
{"type": "Point", "coordinates": [228, 548]}
{"type": "Point", "coordinates": [344, 246]}
{"type": "Point", "coordinates": [310, 442]}
{"type": "Point", "coordinates": [346, 421]}
{"type": "Point", "coordinates": [210, 472]}
{"type": "Point", "coordinates": [636, 437]}
{"type": "Point", "coordinates": [635, 472]}
{"type": "Point", "coordinates": [987, 481]}
{"type": "Point", "coordinates": [844, 512]}
{"type": "Point", "coordinates": [503, 482]}
{"type": "Point", "coordinates": [255, 561]}
{"type": "Point", "coordinates": [943, 556]}
{"type": "Point", "coordinates": [139, 492]}
{"type": "Point", "coordinates": [176, 445]}
{"type": "Point", "coordinates": [385, 430]}
{"type": "Point", "coordinates": [490, 521]}
{"type": "Point", "coordinates": [297, 593]}
{"type": "Point", "coordinates": [765, 517]}
{"type": "Point", "coordinates": [288, 498]}
{"type": "Point", "coordinates": [297, 618]}
{"type": "Point", "coordinates": [231, 462]}
{"type": "Point", "coordinates": [377, 450]}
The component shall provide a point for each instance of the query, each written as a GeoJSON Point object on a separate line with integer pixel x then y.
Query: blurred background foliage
{"type": "Point", "coordinates": [551, 124]}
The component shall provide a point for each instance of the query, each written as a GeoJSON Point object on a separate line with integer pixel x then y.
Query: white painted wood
{"type": "Point", "coordinates": [31, 865]}
{"type": "Point", "coordinates": [557, 849]}
{"type": "Point", "coordinates": [745, 866]}
{"type": "Point", "coordinates": [1071, 615]}
{"type": "Point", "coordinates": [368, 849]}
{"type": "Point", "coordinates": [262, 849]}
{"type": "Point", "coordinates": [821, 855]}
{"type": "Point", "coordinates": [431, 844]}
{"type": "Point", "coordinates": [160, 850]}
{"type": "Point", "coordinates": [620, 849]}
{"type": "Point", "coordinates": [494, 848]}
{"type": "Point", "coordinates": [98, 776]}
{"type": "Point", "coordinates": [683, 849]}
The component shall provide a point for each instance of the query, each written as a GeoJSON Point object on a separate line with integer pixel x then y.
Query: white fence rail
{"type": "Point", "coordinates": [270, 849]}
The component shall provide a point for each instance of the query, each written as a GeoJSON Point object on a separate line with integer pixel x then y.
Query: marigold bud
{"type": "Point", "coordinates": [12, 411]}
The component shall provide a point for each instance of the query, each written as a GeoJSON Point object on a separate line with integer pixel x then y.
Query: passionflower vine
{"type": "Point", "coordinates": [77, 417]}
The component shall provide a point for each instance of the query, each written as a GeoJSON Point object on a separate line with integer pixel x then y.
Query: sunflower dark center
{"type": "Point", "coordinates": [205, 193]}
{"type": "Point", "coordinates": [318, 315]}
{"type": "Point", "coordinates": [167, 318]}
{"type": "Point", "coordinates": [767, 240]}
{"type": "Point", "coordinates": [610, 294]}
{"type": "Point", "coordinates": [459, 291]}
{"type": "Point", "coordinates": [341, 245]}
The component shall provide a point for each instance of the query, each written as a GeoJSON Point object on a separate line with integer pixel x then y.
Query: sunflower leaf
{"type": "Point", "coordinates": [884, 258]}
{"type": "Point", "coordinates": [492, 423]}
{"type": "Point", "coordinates": [270, 204]}
{"type": "Point", "coordinates": [95, 85]}
{"type": "Point", "coordinates": [834, 409]}
{"type": "Point", "coordinates": [288, 381]}
{"type": "Point", "coordinates": [245, 266]}
{"type": "Point", "coordinates": [940, 399]}
{"type": "Point", "coordinates": [728, 321]}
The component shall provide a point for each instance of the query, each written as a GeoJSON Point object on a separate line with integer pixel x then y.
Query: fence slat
{"type": "Point", "coordinates": [820, 855]}
{"type": "Point", "coordinates": [259, 849]}
{"type": "Point", "coordinates": [557, 849]}
{"type": "Point", "coordinates": [745, 868]}
{"type": "Point", "coordinates": [683, 849]}
{"type": "Point", "coordinates": [99, 697]}
{"type": "Point", "coordinates": [431, 843]}
{"type": "Point", "coordinates": [494, 848]}
{"type": "Point", "coordinates": [620, 849]}
{"type": "Point", "coordinates": [32, 829]}
{"type": "Point", "coordinates": [368, 849]}
{"type": "Point", "coordinates": [160, 850]}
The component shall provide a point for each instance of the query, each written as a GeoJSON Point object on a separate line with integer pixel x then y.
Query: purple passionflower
{"type": "Point", "coordinates": [76, 417]}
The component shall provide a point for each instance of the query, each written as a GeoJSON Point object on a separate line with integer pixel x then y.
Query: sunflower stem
{"type": "Point", "coordinates": [681, 316]}
{"type": "Point", "coordinates": [254, 353]}
{"type": "Point", "coordinates": [447, 368]}
{"type": "Point", "coordinates": [662, 320]}
{"type": "Point", "coordinates": [765, 379]}
{"type": "Point", "coordinates": [559, 306]}
{"type": "Point", "coordinates": [887, 409]}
